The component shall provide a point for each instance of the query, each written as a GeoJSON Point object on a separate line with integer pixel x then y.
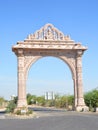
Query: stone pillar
{"type": "Point", "coordinates": [80, 98]}
{"type": "Point", "coordinates": [21, 81]}
{"type": "Point", "coordinates": [75, 92]}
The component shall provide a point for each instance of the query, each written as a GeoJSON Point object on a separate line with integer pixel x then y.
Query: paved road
{"type": "Point", "coordinates": [42, 111]}
{"type": "Point", "coordinates": [2, 114]}
{"type": "Point", "coordinates": [60, 121]}
{"type": "Point", "coordinates": [46, 109]}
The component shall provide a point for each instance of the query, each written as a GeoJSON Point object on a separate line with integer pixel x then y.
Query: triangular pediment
{"type": "Point", "coordinates": [48, 37]}
{"type": "Point", "coordinates": [48, 32]}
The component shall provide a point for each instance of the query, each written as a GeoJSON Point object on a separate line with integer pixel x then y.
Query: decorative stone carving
{"type": "Point", "coordinates": [48, 32]}
{"type": "Point", "coordinates": [49, 41]}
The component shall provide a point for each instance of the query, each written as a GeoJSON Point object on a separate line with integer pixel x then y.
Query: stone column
{"type": "Point", "coordinates": [75, 92]}
{"type": "Point", "coordinates": [80, 97]}
{"type": "Point", "coordinates": [21, 81]}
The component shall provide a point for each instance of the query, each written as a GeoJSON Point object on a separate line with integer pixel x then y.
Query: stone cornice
{"type": "Point", "coordinates": [50, 46]}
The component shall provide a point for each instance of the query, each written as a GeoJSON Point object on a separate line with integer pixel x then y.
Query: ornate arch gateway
{"type": "Point", "coordinates": [49, 41]}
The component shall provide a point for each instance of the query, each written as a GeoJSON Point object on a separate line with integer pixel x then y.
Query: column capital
{"type": "Point", "coordinates": [19, 53]}
{"type": "Point", "coordinates": [79, 53]}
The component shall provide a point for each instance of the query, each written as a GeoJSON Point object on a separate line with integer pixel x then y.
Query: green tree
{"type": "Point", "coordinates": [70, 100]}
{"type": "Point", "coordinates": [15, 99]}
{"type": "Point", "coordinates": [31, 99]}
{"type": "Point", "coordinates": [64, 101]}
{"type": "Point", "coordinates": [2, 100]}
{"type": "Point", "coordinates": [61, 102]}
{"type": "Point", "coordinates": [91, 98]}
{"type": "Point", "coordinates": [41, 100]}
{"type": "Point", "coordinates": [50, 103]}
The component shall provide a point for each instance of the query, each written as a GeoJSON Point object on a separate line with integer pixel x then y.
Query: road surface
{"type": "Point", "coordinates": [53, 120]}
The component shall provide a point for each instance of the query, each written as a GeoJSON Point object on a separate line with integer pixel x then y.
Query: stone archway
{"type": "Point", "coordinates": [49, 41]}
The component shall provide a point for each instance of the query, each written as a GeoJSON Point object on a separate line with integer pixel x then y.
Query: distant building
{"type": "Point", "coordinates": [49, 96]}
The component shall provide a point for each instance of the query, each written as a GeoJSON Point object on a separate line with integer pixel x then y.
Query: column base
{"type": "Point", "coordinates": [21, 110]}
{"type": "Point", "coordinates": [82, 108]}
{"type": "Point", "coordinates": [22, 106]}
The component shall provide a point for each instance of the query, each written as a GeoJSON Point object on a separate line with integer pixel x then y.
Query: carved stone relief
{"type": "Point", "coordinates": [49, 41]}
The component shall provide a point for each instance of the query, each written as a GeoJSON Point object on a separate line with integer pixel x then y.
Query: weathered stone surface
{"type": "Point", "coordinates": [49, 41]}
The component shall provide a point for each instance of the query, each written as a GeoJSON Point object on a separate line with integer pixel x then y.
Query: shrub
{"type": "Point", "coordinates": [11, 106]}
{"type": "Point", "coordinates": [18, 112]}
{"type": "Point", "coordinates": [91, 99]}
{"type": "Point", "coordinates": [29, 112]}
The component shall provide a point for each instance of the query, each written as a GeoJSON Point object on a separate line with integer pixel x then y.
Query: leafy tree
{"type": "Point", "coordinates": [70, 99]}
{"type": "Point", "coordinates": [1, 100]}
{"type": "Point", "coordinates": [50, 103]}
{"type": "Point", "coordinates": [64, 101]}
{"type": "Point", "coordinates": [59, 102]}
{"type": "Point", "coordinates": [41, 100]}
{"type": "Point", "coordinates": [91, 98]}
{"type": "Point", "coordinates": [31, 99]}
{"type": "Point", "coordinates": [57, 96]}
{"type": "Point", "coordinates": [15, 99]}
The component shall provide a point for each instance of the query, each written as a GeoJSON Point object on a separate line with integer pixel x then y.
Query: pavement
{"type": "Point", "coordinates": [50, 119]}
{"type": "Point", "coordinates": [60, 121]}
{"type": "Point", "coordinates": [44, 112]}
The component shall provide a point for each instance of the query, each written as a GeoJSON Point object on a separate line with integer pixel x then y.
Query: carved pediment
{"type": "Point", "coordinates": [48, 32]}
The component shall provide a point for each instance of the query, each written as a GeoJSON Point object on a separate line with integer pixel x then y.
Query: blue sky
{"type": "Point", "coordinates": [77, 18]}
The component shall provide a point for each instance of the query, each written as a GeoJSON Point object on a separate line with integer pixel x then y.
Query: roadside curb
{"type": "Point", "coordinates": [10, 116]}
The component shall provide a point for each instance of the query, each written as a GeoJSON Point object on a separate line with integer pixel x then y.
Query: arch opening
{"type": "Point", "coordinates": [63, 59]}
{"type": "Point", "coordinates": [49, 74]}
